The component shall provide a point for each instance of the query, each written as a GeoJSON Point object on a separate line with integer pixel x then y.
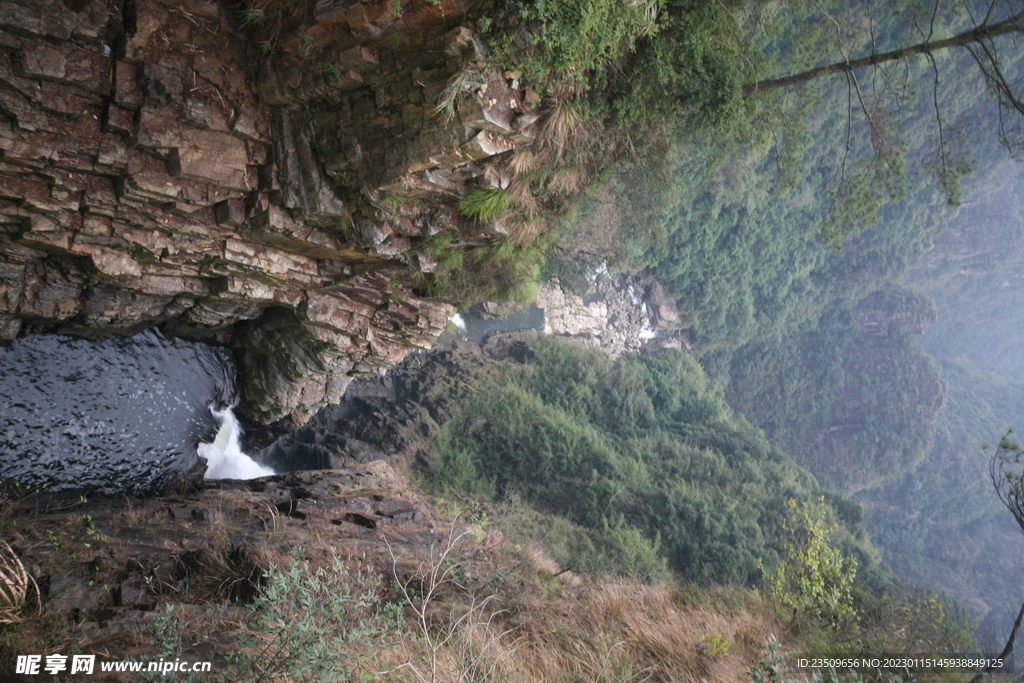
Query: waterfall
{"type": "Point", "coordinates": [224, 456]}
{"type": "Point", "coordinates": [118, 415]}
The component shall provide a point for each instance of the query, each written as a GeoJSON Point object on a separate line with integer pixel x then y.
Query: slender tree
{"type": "Point", "coordinates": [858, 193]}
{"type": "Point", "coordinates": [974, 40]}
{"type": "Point", "coordinates": [1006, 468]}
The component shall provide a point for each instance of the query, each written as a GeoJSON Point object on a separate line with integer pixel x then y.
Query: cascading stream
{"type": "Point", "coordinates": [224, 456]}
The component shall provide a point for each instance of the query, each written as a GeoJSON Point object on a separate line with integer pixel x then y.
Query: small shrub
{"type": "Point", "coordinates": [318, 624]}
{"type": "Point", "coordinates": [714, 644]}
{"type": "Point", "coordinates": [485, 203]}
{"type": "Point", "coordinates": [813, 576]}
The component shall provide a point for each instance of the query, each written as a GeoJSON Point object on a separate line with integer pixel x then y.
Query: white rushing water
{"type": "Point", "coordinates": [224, 456]}
{"type": "Point", "coordinates": [458, 321]}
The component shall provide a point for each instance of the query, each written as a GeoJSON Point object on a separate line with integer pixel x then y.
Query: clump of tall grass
{"type": "Point", "coordinates": [485, 203]}
{"type": "Point", "coordinates": [442, 249]}
{"type": "Point", "coordinates": [561, 129]}
{"type": "Point", "coordinates": [458, 88]}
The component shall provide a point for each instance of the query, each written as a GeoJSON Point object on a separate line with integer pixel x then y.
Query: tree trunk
{"type": "Point", "coordinates": [976, 35]}
{"type": "Point", "coordinates": [1006, 650]}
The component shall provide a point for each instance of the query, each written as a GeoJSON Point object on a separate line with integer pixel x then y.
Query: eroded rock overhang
{"type": "Point", "coordinates": [158, 169]}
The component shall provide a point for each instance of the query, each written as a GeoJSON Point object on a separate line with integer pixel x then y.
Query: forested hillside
{"type": "Point", "coordinates": [976, 276]}
{"type": "Point", "coordinates": [642, 453]}
{"type": "Point", "coordinates": [853, 399]}
{"type": "Point", "coordinates": [942, 525]}
{"type": "Point", "coordinates": [807, 265]}
{"type": "Point", "coordinates": [638, 467]}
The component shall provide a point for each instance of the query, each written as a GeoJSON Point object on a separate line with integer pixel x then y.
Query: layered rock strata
{"type": "Point", "coordinates": [158, 169]}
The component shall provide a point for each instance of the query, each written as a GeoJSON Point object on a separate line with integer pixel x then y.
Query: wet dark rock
{"type": "Point", "coordinates": [386, 417]}
{"type": "Point", "coordinates": [71, 595]}
{"type": "Point", "coordinates": [129, 596]}
{"type": "Point", "coordinates": [512, 345]}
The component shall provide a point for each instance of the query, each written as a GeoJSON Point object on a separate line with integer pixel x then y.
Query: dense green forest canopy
{"type": "Point", "coordinates": [640, 69]}
{"type": "Point", "coordinates": [855, 399]}
{"type": "Point", "coordinates": [637, 466]}
{"type": "Point", "coordinates": [642, 453]}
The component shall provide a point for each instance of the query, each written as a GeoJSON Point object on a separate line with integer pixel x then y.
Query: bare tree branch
{"type": "Point", "coordinates": [974, 36]}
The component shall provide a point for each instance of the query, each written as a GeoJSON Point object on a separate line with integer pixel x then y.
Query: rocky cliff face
{"type": "Point", "coordinates": [621, 314]}
{"type": "Point", "coordinates": [158, 169]}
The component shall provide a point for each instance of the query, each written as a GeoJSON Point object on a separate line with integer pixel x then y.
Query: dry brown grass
{"type": "Point", "coordinates": [522, 198]}
{"type": "Point", "coordinates": [561, 129]}
{"type": "Point", "coordinates": [14, 585]}
{"type": "Point", "coordinates": [568, 181]}
{"type": "Point", "coordinates": [629, 631]}
{"type": "Point", "coordinates": [548, 629]}
{"type": "Point", "coordinates": [525, 230]}
{"type": "Point", "coordinates": [608, 632]}
{"type": "Point", "coordinates": [522, 161]}
{"type": "Point", "coordinates": [560, 160]}
{"type": "Point", "coordinates": [467, 645]}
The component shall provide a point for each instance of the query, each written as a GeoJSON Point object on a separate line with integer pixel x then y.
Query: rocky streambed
{"type": "Point", "coordinates": [622, 314]}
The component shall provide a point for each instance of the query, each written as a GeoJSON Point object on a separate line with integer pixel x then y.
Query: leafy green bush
{"type": "Point", "coordinates": [578, 37]}
{"type": "Point", "coordinates": [813, 575]}
{"type": "Point", "coordinates": [318, 624]}
{"type": "Point", "coordinates": [496, 271]}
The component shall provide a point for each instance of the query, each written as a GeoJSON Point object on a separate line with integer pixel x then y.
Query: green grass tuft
{"type": "Point", "coordinates": [252, 17]}
{"type": "Point", "coordinates": [306, 48]}
{"type": "Point", "coordinates": [485, 203]}
{"type": "Point", "coordinates": [328, 68]}
{"type": "Point", "coordinates": [435, 246]}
